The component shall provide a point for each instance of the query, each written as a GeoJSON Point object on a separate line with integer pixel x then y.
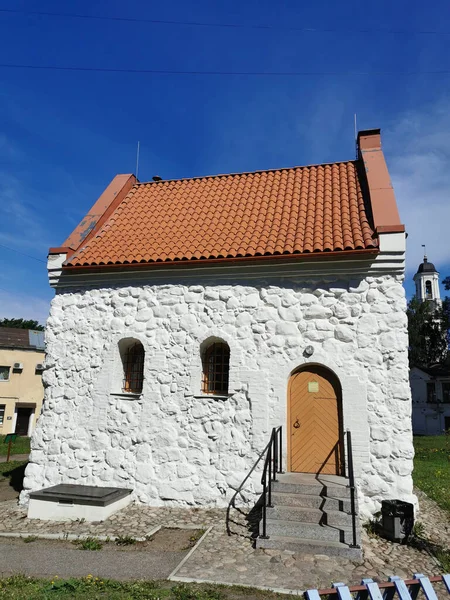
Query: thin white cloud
{"type": "Point", "coordinates": [418, 155]}
{"type": "Point", "coordinates": [22, 306]}
{"type": "Point", "coordinates": [22, 225]}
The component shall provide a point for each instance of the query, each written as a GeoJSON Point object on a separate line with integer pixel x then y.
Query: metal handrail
{"type": "Point", "coordinates": [232, 502]}
{"type": "Point", "coordinates": [272, 466]}
{"type": "Point", "coordinates": [351, 481]}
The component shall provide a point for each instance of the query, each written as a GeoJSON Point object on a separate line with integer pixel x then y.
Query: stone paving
{"type": "Point", "coordinates": [232, 559]}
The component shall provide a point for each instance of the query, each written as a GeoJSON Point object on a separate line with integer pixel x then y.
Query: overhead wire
{"type": "Point", "coordinates": [218, 73]}
{"type": "Point", "coordinates": [40, 13]}
{"type": "Point", "coordinates": [23, 253]}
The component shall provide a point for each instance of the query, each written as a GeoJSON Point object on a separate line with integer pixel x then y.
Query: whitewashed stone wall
{"type": "Point", "coordinates": [172, 444]}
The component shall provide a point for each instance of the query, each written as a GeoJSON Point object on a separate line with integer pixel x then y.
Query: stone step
{"type": "Point", "coordinates": [309, 515]}
{"type": "Point", "coordinates": [310, 501]}
{"type": "Point", "coordinates": [306, 546]}
{"type": "Point", "coordinates": [309, 531]}
{"type": "Point", "coordinates": [314, 489]}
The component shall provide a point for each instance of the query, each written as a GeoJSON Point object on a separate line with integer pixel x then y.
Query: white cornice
{"type": "Point", "coordinates": [389, 260]}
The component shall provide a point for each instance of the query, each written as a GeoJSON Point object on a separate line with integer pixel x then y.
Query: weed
{"type": "Point", "coordinates": [443, 557]}
{"type": "Point", "coordinates": [419, 529]}
{"type": "Point", "coordinates": [184, 592]}
{"type": "Point", "coordinates": [124, 540]}
{"type": "Point", "coordinates": [197, 535]}
{"type": "Point", "coordinates": [89, 543]}
{"type": "Point", "coordinates": [372, 527]}
{"type": "Point", "coordinates": [30, 538]}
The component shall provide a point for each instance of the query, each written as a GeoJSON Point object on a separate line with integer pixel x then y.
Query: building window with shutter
{"type": "Point", "coordinates": [216, 367]}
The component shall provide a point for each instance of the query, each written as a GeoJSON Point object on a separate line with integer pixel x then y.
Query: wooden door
{"type": "Point", "coordinates": [314, 430]}
{"type": "Point", "coordinates": [23, 420]}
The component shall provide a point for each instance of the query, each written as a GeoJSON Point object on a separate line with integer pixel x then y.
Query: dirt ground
{"type": "Point", "coordinates": [167, 539]}
{"type": "Point", "coordinates": [11, 479]}
{"type": "Point", "coordinates": [7, 492]}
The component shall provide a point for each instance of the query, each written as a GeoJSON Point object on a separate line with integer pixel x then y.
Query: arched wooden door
{"type": "Point", "coordinates": [314, 422]}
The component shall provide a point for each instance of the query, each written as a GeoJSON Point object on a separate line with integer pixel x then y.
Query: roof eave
{"type": "Point", "coordinates": [361, 253]}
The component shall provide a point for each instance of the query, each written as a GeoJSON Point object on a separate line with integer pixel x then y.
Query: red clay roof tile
{"type": "Point", "coordinates": [299, 210]}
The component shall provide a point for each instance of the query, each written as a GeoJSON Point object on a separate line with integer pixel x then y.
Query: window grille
{"type": "Point", "coordinates": [2, 413]}
{"type": "Point", "coordinates": [216, 367]}
{"type": "Point", "coordinates": [134, 369]}
{"type": "Point", "coordinates": [431, 391]}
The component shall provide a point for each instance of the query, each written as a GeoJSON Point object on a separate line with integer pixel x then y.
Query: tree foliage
{"type": "Point", "coordinates": [428, 328]}
{"type": "Point", "coordinates": [21, 324]}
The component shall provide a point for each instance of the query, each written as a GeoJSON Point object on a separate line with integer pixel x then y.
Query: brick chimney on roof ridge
{"type": "Point", "coordinates": [369, 139]}
{"type": "Point", "coordinates": [386, 218]}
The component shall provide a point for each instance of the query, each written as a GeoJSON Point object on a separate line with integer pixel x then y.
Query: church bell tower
{"type": "Point", "coordinates": [427, 282]}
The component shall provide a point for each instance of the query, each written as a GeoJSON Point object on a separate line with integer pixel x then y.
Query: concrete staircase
{"type": "Point", "coordinates": [310, 514]}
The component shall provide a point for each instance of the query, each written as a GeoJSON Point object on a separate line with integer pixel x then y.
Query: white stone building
{"type": "Point", "coordinates": [430, 389]}
{"type": "Point", "coordinates": [184, 311]}
{"type": "Point", "coordinates": [430, 386]}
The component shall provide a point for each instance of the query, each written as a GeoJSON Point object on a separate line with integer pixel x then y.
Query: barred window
{"type": "Point", "coordinates": [446, 392]}
{"type": "Point", "coordinates": [216, 367]}
{"type": "Point", "coordinates": [133, 367]}
{"type": "Point", "coordinates": [431, 391]}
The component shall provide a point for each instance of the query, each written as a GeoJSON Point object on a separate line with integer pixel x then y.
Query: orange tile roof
{"type": "Point", "coordinates": [288, 211]}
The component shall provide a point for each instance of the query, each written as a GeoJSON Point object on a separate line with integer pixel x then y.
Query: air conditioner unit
{"type": "Point", "coordinates": [39, 367]}
{"type": "Point", "coordinates": [18, 367]}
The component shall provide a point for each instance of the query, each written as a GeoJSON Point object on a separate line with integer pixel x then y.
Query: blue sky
{"type": "Point", "coordinates": [64, 135]}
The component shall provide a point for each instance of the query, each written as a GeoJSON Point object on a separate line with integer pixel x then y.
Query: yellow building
{"type": "Point", "coordinates": [21, 389]}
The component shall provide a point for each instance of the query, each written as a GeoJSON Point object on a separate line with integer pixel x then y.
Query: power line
{"type": "Point", "coordinates": [226, 73]}
{"type": "Point", "coordinates": [223, 25]}
{"type": "Point", "coordinates": [22, 253]}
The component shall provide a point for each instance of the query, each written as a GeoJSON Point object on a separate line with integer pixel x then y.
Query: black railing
{"type": "Point", "coordinates": [272, 465]}
{"type": "Point", "coordinates": [351, 485]}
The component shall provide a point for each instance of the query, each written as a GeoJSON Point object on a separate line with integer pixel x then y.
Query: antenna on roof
{"type": "Point", "coordinates": [137, 160]}
{"type": "Point", "coordinates": [356, 139]}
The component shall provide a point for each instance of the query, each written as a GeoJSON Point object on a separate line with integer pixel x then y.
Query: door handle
{"type": "Point", "coordinates": [296, 424]}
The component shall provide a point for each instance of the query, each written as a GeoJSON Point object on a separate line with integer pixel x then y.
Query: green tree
{"type": "Point", "coordinates": [428, 328]}
{"type": "Point", "coordinates": [22, 324]}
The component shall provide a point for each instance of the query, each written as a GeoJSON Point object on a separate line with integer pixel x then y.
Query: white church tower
{"type": "Point", "coordinates": [427, 282]}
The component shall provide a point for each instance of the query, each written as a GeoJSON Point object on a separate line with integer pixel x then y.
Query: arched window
{"type": "Point", "coordinates": [428, 292]}
{"type": "Point", "coordinates": [216, 367]}
{"type": "Point", "coordinates": [132, 355]}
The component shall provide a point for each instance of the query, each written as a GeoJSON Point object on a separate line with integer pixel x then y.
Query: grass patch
{"type": "Point", "coordinates": [20, 446]}
{"type": "Point", "coordinates": [89, 543]}
{"type": "Point", "coordinates": [30, 538]}
{"type": "Point", "coordinates": [19, 587]}
{"type": "Point", "coordinates": [432, 467]}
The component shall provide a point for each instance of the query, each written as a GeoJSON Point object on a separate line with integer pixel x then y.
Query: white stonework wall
{"type": "Point", "coordinates": [172, 444]}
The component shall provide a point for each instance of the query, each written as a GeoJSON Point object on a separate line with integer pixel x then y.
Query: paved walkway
{"type": "Point", "coordinates": [232, 559]}
{"type": "Point", "coordinates": [14, 457]}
